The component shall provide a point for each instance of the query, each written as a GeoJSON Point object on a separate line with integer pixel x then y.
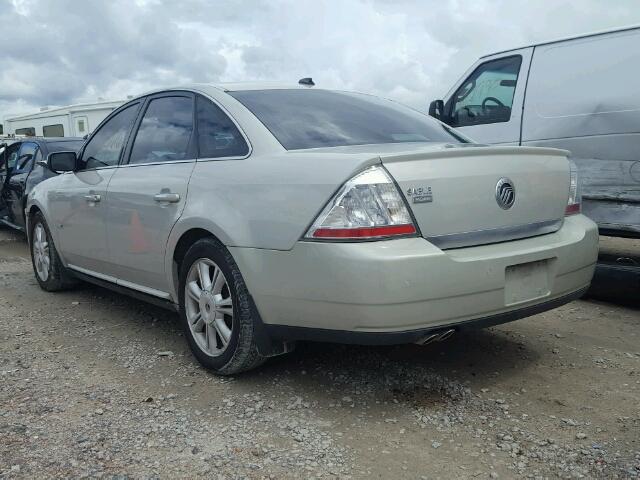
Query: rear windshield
{"type": "Point", "coordinates": [306, 118]}
{"type": "Point", "coordinates": [68, 146]}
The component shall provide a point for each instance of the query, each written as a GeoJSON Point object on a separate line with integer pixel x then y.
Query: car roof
{"type": "Point", "coordinates": [563, 39]}
{"type": "Point", "coordinates": [226, 87]}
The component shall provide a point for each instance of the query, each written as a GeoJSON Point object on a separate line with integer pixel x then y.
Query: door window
{"type": "Point", "coordinates": [165, 131]}
{"type": "Point", "coordinates": [487, 95]}
{"type": "Point", "coordinates": [12, 156]}
{"type": "Point", "coordinates": [25, 157]}
{"type": "Point", "coordinates": [217, 134]}
{"type": "Point", "coordinates": [105, 147]}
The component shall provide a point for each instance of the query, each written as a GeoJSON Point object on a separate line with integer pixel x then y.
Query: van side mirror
{"type": "Point", "coordinates": [436, 109]}
{"type": "Point", "coordinates": [61, 162]}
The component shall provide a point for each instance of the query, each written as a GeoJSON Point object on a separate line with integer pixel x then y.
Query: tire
{"type": "Point", "coordinates": [204, 317]}
{"type": "Point", "coordinates": [51, 274]}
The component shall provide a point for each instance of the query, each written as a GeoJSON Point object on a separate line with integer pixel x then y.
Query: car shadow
{"type": "Point", "coordinates": [437, 373]}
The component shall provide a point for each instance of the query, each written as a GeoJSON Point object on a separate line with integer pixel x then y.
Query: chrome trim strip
{"type": "Point", "coordinates": [147, 290]}
{"type": "Point", "coordinates": [494, 235]}
{"type": "Point", "coordinates": [86, 271]}
{"type": "Point", "coordinates": [122, 283]}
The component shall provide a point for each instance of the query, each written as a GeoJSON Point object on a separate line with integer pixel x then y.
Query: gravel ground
{"type": "Point", "coordinates": [94, 384]}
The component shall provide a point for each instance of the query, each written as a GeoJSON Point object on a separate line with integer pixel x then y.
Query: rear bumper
{"type": "Point", "coordinates": [406, 287]}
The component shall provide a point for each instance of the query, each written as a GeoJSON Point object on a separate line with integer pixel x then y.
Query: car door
{"type": "Point", "coordinates": [9, 158]}
{"type": "Point", "coordinates": [28, 154]}
{"type": "Point", "coordinates": [487, 104]}
{"type": "Point", "coordinates": [77, 201]}
{"type": "Point", "coordinates": [148, 191]}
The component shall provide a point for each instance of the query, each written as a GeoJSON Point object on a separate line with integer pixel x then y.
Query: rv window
{"type": "Point", "coordinates": [487, 95]}
{"type": "Point", "coordinates": [56, 130]}
{"type": "Point", "coordinates": [28, 131]}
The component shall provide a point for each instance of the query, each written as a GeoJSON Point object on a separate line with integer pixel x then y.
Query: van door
{"type": "Point", "coordinates": [147, 194]}
{"type": "Point", "coordinates": [487, 104]}
{"type": "Point", "coordinates": [583, 95]}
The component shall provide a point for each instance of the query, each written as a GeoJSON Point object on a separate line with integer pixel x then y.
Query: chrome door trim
{"type": "Point", "coordinates": [121, 283]}
{"type": "Point", "coordinates": [494, 235]}
{"type": "Point", "coordinates": [143, 289]}
{"type": "Point", "coordinates": [86, 271]}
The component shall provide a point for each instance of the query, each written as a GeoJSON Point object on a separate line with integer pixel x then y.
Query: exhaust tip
{"type": "Point", "coordinates": [427, 339]}
{"type": "Point", "coordinates": [443, 336]}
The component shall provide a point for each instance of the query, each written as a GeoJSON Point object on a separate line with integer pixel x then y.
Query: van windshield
{"type": "Point", "coordinates": [309, 118]}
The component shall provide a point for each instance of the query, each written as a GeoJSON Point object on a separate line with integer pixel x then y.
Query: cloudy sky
{"type": "Point", "coordinates": [57, 52]}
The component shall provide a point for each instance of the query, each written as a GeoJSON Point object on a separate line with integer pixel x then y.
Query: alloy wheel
{"type": "Point", "coordinates": [41, 254]}
{"type": "Point", "coordinates": [209, 307]}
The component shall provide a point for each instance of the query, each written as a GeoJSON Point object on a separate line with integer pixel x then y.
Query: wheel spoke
{"type": "Point", "coordinates": [224, 302]}
{"type": "Point", "coordinates": [223, 330]}
{"type": "Point", "coordinates": [212, 343]}
{"type": "Point", "coordinates": [219, 282]}
{"type": "Point", "coordinates": [205, 276]}
{"type": "Point", "coordinates": [194, 290]}
{"type": "Point", "coordinates": [225, 311]}
{"type": "Point", "coordinates": [196, 321]}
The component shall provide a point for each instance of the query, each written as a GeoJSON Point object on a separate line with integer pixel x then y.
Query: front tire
{"type": "Point", "coordinates": [215, 310]}
{"type": "Point", "coordinates": [51, 274]}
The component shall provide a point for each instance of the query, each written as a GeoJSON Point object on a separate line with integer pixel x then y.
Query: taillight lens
{"type": "Point", "coordinates": [573, 204]}
{"type": "Point", "coordinates": [368, 206]}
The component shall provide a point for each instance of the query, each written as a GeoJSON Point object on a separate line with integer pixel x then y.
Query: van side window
{"type": "Point", "coordinates": [486, 96]}
{"type": "Point", "coordinates": [217, 134]}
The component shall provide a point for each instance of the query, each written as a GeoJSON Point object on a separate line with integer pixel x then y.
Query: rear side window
{"type": "Point", "coordinates": [104, 148]}
{"type": "Point", "coordinates": [217, 134]}
{"type": "Point", "coordinates": [307, 118]}
{"type": "Point", "coordinates": [486, 96]}
{"type": "Point", "coordinates": [165, 131]}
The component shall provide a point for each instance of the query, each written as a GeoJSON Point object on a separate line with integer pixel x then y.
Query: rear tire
{"type": "Point", "coordinates": [215, 310]}
{"type": "Point", "coordinates": [50, 273]}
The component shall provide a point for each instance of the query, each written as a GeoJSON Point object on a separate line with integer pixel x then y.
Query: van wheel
{"type": "Point", "coordinates": [215, 310]}
{"type": "Point", "coordinates": [51, 275]}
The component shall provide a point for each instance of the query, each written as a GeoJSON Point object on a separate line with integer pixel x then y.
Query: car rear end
{"type": "Point", "coordinates": [427, 236]}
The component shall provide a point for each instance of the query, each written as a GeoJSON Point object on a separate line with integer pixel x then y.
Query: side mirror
{"type": "Point", "coordinates": [436, 109]}
{"type": "Point", "coordinates": [61, 162]}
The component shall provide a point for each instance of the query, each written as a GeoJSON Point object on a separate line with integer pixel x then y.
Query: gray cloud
{"type": "Point", "coordinates": [65, 51]}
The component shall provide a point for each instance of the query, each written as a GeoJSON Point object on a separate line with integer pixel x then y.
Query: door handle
{"type": "Point", "coordinates": [167, 197]}
{"type": "Point", "coordinates": [93, 198]}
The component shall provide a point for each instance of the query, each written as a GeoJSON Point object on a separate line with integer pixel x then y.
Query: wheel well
{"type": "Point", "coordinates": [189, 238]}
{"type": "Point", "coordinates": [27, 223]}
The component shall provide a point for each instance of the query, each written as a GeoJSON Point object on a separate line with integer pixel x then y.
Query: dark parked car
{"type": "Point", "coordinates": [22, 166]}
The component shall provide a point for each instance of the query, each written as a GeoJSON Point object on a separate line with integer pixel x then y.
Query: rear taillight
{"type": "Point", "coordinates": [573, 204]}
{"type": "Point", "coordinates": [369, 206]}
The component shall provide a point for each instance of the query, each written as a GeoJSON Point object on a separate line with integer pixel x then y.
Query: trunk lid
{"type": "Point", "coordinates": [460, 195]}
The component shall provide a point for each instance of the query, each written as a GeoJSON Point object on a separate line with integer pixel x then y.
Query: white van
{"type": "Point", "coordinates": [581, 94]}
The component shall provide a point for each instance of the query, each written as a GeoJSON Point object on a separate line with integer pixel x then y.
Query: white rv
{"type": "Point", "coordinates": [70, 121]}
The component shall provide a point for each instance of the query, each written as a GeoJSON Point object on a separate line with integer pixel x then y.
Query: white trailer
{"type": "Point", "coordinates": [70, 121]}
